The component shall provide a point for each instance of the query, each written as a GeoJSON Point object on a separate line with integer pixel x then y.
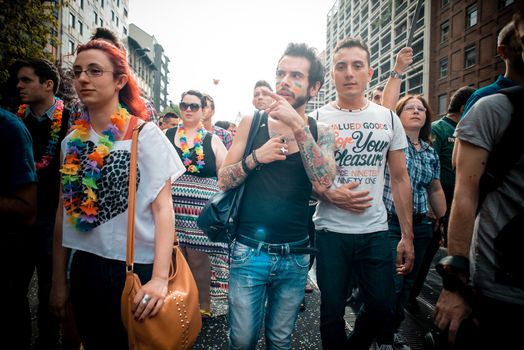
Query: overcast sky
{"type": "Point", "coordinates": [236, 41]}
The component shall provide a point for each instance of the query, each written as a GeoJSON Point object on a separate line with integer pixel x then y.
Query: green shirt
{"type": "Point", "coordinates": [443, 140]}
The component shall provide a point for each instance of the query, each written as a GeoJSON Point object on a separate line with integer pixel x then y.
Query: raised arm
{"type": "Point", "coordinates": [391, 93]}
{"type": "Point", "coordinates": [318, 158]}
{"type": "Point", "coordinates": [233, 173]}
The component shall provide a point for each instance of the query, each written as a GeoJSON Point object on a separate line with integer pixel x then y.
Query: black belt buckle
{"type": "Point", "coordinates": [276, 249]}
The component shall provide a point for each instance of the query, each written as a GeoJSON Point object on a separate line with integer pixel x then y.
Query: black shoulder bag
{"type": "Point", "coordinates": [218, 218]}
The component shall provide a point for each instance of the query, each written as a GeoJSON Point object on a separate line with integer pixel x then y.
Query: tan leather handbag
{"type": "Point", "coordinates": [178, 323]}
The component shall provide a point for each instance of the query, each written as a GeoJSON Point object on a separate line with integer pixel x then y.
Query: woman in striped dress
{"type": "Point", "coordinates": [202, 154]}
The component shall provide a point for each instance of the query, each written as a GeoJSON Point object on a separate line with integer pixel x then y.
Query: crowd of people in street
{"type": "Point", "coordinates": [370, 185]}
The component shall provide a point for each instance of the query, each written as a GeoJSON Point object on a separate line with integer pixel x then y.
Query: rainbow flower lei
{"type": "Point", "coordinates": [56, 124]}
{"type": "Point", "coordinates": [199, 149]}
{"type": "Point", "coordinates": [83, 213]}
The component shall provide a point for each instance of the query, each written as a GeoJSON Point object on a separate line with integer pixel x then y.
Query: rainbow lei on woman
{"type": "Point", "coordinates": [54, 131]}
{"type": "Point", "coordinates": [83, 210]}
{"type": "Point", "coordinates": [199, 149]}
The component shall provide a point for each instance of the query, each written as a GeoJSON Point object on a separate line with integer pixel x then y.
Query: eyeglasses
{"type": "Point", "coordinates": [185, 106]}
{"type": "Point", "coordinates": [412, 109]}
{"type": "Point", "coordinates": [91, 72]}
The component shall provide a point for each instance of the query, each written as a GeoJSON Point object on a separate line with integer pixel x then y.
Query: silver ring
{"type": "Point", "coordinates": [146, 299]}
{"type": "Point", "coordinates": [283, 150]}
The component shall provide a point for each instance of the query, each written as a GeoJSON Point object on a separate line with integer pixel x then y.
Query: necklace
{"type": "Point", "coordinates": [79, 190]}
{"type": "Point", "coordinates": [414, 143]}
{"type": "Point", "coordinates": [199, 149]}
{"type": "Point", "coordinates": [54, 131]}
{"type": "Point", "coordinates": [351, 110]}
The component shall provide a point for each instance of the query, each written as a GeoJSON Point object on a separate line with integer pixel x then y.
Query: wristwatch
{"type": "Point", "coordinates": [394, 74]}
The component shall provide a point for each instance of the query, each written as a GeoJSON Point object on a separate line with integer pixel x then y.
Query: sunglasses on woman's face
{"type": "Point", "coordinates": [185, 106]}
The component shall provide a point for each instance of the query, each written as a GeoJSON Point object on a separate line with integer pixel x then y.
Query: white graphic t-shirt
{"type": "Point", "coordinates": [363, 140]}
{"type": "Point", "coordinates": [157, 162]}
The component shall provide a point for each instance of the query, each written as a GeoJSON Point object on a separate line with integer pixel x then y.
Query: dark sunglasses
{"type": "Point", "coordinates": [185, 106]}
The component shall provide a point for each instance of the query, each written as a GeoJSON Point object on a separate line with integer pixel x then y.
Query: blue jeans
{"type": "Point", "coordinates": [422, 233]}
{"type": "Point", "coordinates": [368, 257]}
{"type": "Point", "coordinates": [257, 277]}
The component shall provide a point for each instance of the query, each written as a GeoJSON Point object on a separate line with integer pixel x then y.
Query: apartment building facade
{"type": "Point", "coordinates": [454, 42]}
{"type": "Point", "coordinates": [150, 64]}
{"type": "Point", "coordinates": [464, 36]}
{"type": "Point", "coordinates": [383, 25]}
{"type": "Point", "coordinates": [79, 18]}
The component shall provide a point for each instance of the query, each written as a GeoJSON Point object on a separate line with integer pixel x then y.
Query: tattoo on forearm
{"type": "Point", "coordinates": [233, 175]}
{"type": "Point", "coordinates": [318, 159]}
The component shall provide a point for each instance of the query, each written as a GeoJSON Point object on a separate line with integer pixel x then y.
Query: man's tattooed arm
{"type": "Point", "coordinates": [233, 175]}
{"type": "Point", "coordinates": [318, 157]}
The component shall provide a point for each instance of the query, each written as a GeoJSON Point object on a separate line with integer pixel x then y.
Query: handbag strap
{"type": "Point", "coordinates": [131, 199]}
{"type": "Point", "coordinates": [255, 125]}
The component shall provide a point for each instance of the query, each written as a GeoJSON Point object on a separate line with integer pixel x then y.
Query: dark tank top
{"type": "Point", "coordinates": [209, 169]}
{"type": "Point", "coordinates": [274, 205]}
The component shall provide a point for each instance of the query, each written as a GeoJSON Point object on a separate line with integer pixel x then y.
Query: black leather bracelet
{"type": "Point", "coordinates": [254, 155]}
{"type": "Point", "coordinates": [244, 166]}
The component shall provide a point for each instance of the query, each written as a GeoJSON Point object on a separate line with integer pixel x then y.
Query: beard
{"type": "Point", "coordinates": [300, 101]}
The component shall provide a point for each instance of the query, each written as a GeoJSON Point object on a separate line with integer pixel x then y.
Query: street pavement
{"type": "Point", "coordinates": [214, 335]}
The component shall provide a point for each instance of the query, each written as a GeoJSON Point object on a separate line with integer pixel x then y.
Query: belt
{"type": "Point", "coordinates": [278, 248]}
{"type": "Point", "coordinates": [417, 218]}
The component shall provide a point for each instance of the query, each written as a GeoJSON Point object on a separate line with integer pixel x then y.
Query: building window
{"type": "Point", "coordinates": [471, 16]}
{"type": "Point", "coordinates": [444, 32]}
{"type": "Point", "coordinates": [95, 17]}
{"type": "Point", "coordinates": [444, 3]}
{"type": "Point", "coordinates": [117, 3]}
{"type": "Point", "coordinates": [101, 22]}
{"type": "Point", "coordinates": [442, 104]}
{"type": "Point", "coordinates": [80, 28]}
{"type": "Point", "coordinates": [117, 21]}
{"type": "Point", "coordinates": [82, 4]}
{"type": "Point", "coordinates": [102, 3]}
{"type": "Point", "coordinates": [72, 20]}
{"type": "Point", "coordinates": [112, 15]}
{"type": "Point", "coordinates": [443, 67]}
{"type": "Point", "coordinates": [504, 3]}
{"type": "Point", "coordinates": [125, 31]}
{"type": "Point", "coordinates": [71, 47]}
{"type": "Point", "coordinates": [125, 12]}
{"type": "Point", "coordinates": [470, 56]}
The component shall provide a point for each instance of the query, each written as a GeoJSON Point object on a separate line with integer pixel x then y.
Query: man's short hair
{"type": "Point", "coordinates": [316, 69]}
{"type": "Point", "coordinates": [44, 69]}
{"type": "Point", "coordinates": [107, 35]}
{"type": "Point", "coordinates": [459, 98]}
{"type": "Point", "coordinates": [263, 83]}
{"type": "Point", "coordinates": [223, 124]}
{"type": "Point", "coordinates": [350, 42]}
{"type": "Point", "coordinates": [170, 115]}
{"type": "Point", "coordinates": [209, 101]}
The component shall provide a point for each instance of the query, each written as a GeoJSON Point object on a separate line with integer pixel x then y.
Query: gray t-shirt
{"type": "Point", "coordinates": [484, 127]}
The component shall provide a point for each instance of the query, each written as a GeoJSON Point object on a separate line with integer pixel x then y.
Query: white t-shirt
{"type": "Point", "coordinates": [157, 163]}
{"type": "Point", "coordinates": [363, 140]}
